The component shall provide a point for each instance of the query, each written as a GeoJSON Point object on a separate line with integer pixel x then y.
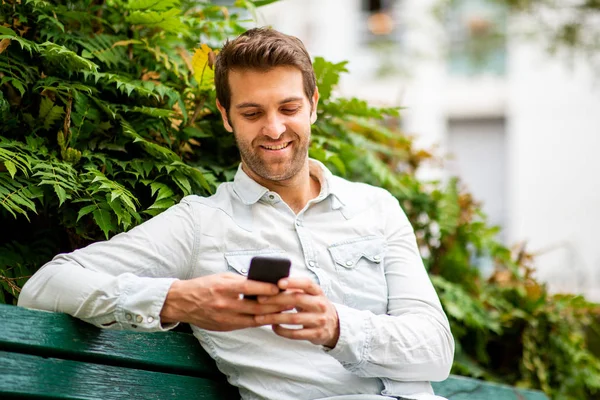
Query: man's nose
{"type": "Point", "coordinates": [274, 126]}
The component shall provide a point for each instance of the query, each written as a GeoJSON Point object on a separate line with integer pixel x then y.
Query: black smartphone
{"type": "Point", "coordinates": [268, 269]}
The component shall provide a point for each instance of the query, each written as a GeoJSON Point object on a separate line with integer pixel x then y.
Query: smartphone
{"type": "Point", "coordinates": [268, 269]}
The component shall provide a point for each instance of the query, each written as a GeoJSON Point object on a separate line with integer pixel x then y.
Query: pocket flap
{"type": "Point", "coordinates": [349, 252]}
{"type": "Point", "coordinates": [240, 260]}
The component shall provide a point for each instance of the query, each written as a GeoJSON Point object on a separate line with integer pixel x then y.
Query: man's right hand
{"type": "Point", "coordinates": [214, 303]}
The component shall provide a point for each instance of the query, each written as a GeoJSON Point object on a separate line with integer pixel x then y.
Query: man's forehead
{"type": "Point", "coordinates": [276, 85]}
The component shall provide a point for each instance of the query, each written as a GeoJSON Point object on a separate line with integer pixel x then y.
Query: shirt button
{"type": "Point", "coordinates": [377, 258]}
{"type": "Point", "coordinates": [139, 318]}
{"type": "Point", "coordinates": [244, 271]}
{"type": "Point", "coordinates": [150, 320]}
{"type": "Point", "coordinates": [128, 317]}
{"type": "Point", "coordinates": [349, 263]}
{"type": "Point", "coordinates": [298, 223]}
{"type": "Point", "coordinates": [311, 263]}
{"type": "Point", "coordinates": [272, 197]}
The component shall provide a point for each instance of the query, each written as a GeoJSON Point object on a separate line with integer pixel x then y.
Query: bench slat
{"type": "Point", "coordinates": [461, 388]}
{"type": "Point", "coordinates": [39, 377]}
{"type": "Point", "coordinates": [62, 336]}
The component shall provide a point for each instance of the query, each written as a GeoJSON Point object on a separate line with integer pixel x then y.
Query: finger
{"type": "Point", "coordinates": [251, 287]}
{"type": "Point", "coordinates": [311, 334]}
{"type": "Point", "coordinates": [297, 300]}
{"type": "Point", "coordinates": [251, 307]}
{"type": "Point", "coordinates": [304, 319]}
{"type": "Point", "coordinates": [304, 284]}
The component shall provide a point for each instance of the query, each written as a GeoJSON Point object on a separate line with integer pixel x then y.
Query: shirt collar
{"type": "Point", "coordinates": [250, 191]}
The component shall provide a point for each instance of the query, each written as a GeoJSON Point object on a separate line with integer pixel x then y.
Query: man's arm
{"type": "Point", "coordinates": [121, 283]}
{"type": "Point", "coordinates": [413, 342]}
{"type": "Point", "coordinates": [139, 280]}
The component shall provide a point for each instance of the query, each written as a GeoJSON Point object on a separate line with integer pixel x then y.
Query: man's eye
{"type": "Point", "coordinates": [250, 115]}
{"type": "Point", "coordinates": [290, 110]}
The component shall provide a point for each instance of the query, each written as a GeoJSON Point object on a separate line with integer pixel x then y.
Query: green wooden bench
{"type": "Point", "coordinates": [54, 356]}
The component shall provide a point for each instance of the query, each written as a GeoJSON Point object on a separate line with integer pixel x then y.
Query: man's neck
{"type": "Point", "coordinates": [296, 191]}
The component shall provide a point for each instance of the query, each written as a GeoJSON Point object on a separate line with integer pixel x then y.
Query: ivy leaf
{"type": "Point", "coordinates": [203, 64]}
{"type": "Point", "coordinates": [103, 220]}
{"type": "Point", "coordinates": [86, 210]}
{"type": "Point", "coordinates": [164, 191]}
{"type": "Point", "coordinates": [183, 182]}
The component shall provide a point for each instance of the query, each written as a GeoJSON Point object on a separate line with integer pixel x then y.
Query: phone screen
{"type": "Point", "coordinates": [268, 269]}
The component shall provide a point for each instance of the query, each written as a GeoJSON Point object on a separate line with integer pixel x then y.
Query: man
{"type": "Point", "coordinates": [359, 318]}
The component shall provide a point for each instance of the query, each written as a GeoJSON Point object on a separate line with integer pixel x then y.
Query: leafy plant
{"type": "Point", "coordinates": [108, 118]}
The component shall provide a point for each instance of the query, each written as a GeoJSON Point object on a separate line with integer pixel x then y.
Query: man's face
{"type": "Point", "coordinates": [270, 117]}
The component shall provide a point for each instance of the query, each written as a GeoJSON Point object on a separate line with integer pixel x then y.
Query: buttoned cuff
{"type": "Point", "coordinates": [353, 344]}
{"type": "Point", "coordinates": [140, 305]}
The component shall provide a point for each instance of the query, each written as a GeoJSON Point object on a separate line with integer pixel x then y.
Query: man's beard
{"type": "Point", "coordinates": [291, 167]}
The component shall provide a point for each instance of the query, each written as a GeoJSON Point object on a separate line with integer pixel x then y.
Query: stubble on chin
{"type": "Point", "coordinates": [282, 171]}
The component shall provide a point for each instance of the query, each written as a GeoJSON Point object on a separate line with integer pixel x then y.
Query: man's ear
{"type": "Point", "coordinates": [223, 112]}
{"type": "Point", "coordinates": [315, 102]}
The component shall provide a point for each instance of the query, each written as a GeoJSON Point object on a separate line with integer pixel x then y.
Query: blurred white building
{"type": "Point", "coordinates": [523, 127]}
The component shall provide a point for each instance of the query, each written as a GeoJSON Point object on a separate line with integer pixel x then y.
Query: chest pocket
{"type": "Point", "coordinates": [239, 261]}
{"type": "Point", "coordinates": [359, 265]}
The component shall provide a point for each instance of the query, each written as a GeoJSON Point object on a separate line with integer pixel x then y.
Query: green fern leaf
{"type": "Point", "coordinates": [24, 43]}
{"type": "Point", "coordinates": [152, 148]}
{"type": "Point", "coordinates": [153, 112]}
{"type": "Point", "coordinates": [169, 20]}
{"type": "Point", "coordinates": [11, 168]}
{"type": "Point", "coordinates": [61, 193]}
{"type": "Point", "coordinates": [15, 194]}
{"type": "Point", "coordinates": [102, 48]}
{"type": "Point", "coordinates": [21, 161]}
{"type": "Point", "coordinates": [68, 59]}
{"type": "Point", "coordinates": [49, 113]}
{"type": "Point", "coordinates": [449, 209]}
{"type": "Point", "coordinates": [154, 5]}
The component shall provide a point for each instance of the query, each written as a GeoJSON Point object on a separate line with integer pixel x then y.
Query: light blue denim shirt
{"type": "Point", "coordinates": [353, 239]}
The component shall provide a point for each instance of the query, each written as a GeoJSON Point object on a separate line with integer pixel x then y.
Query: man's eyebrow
{"type": "Point", "coordinates": [247, 105]}
{"type": "Point", "coordinates": [290, 99]}
{"type": "Point", "coordinates": [250, 104]}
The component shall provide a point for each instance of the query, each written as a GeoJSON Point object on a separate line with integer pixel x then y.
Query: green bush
{"type": "Point", "coordinates": [108, 118]}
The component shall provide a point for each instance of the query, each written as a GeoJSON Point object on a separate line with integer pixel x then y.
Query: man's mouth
{"type": "Point", "coordinates": [276, 147]}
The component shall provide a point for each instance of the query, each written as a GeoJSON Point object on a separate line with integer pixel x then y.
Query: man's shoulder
{"type": "Point", "coordinates": [358, 191]}
{"type": "Point", "coordinates": [221, 199]}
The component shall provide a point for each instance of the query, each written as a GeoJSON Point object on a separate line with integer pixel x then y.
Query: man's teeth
{"type": "Point", "coordinates": [279, 147]}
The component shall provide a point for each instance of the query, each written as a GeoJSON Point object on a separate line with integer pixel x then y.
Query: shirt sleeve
{"type": "Point", "coordinates": [121, 283]}
{"type": "Point", "coordinates": [413, 341]}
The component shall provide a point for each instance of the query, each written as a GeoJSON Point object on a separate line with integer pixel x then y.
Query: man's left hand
{"type": "Point", "coordinates": [315, 313]}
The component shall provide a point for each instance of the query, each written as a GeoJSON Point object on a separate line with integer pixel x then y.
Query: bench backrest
{"type": "Point", "coordinates": [53, 355]}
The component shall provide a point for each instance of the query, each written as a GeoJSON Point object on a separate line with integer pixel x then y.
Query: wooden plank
{"type": "Point", "coordinates": [462, 388]}
{"type": "Point", "coordinates": [39, 377]}
{"type": "Point", "coordinates": [62, 336]}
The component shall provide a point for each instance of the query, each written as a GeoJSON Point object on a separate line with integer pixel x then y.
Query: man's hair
{"type": "Point", "coordinates": [262, 49]}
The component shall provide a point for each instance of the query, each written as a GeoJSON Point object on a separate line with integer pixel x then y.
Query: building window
{"type": "Point", "coordinates": [380, 20]}
{"type": "Point", "coordinates": [478, 151]}
{"type": "Point", "coordinates": [477, 38]}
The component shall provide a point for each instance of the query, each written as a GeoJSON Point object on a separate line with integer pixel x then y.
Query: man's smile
{"type": "Point", "coordinates": [275, 147]}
